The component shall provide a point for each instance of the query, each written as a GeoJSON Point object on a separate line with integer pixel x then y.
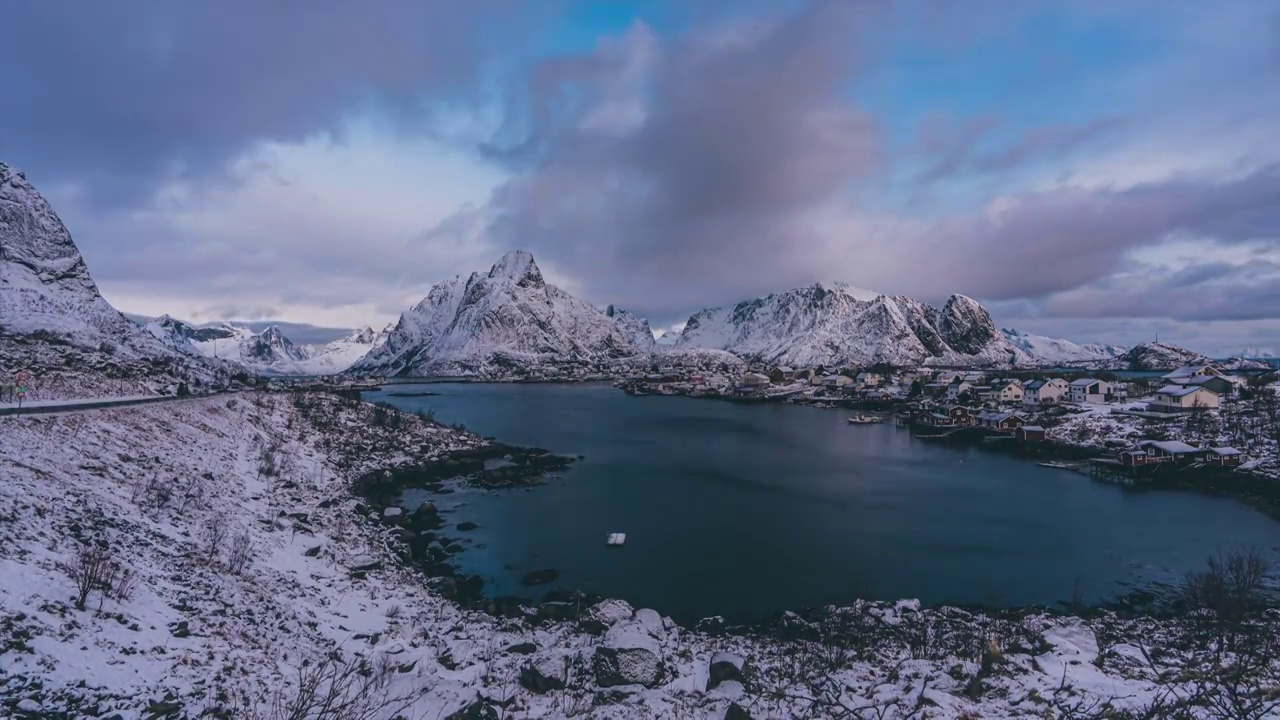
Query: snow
{"type": "Point", "coordinates": [194, 631]}
{"type": "Point", "coordinates": [1041, 350]}
{"type": "Point", "coordinates": [832, 327]}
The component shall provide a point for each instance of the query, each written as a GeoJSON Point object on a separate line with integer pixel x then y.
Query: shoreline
{"type": "Point", "coordinates": [325, 580]}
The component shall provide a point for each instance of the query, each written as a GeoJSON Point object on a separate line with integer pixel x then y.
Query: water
{"type": "Point", "coordinates": [746, 510]}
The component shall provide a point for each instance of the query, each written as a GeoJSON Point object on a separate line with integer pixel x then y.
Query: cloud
{"type": "Point", "coordinates": [126, 96]}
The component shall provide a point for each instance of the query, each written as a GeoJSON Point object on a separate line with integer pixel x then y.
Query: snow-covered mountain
{"type": "Point", "coordinates": [268, 352]}
{"type": "Point", "coordinates": [508, 318]}
{"type": "Point", "coordinates": [837, 326]}
{"type": "Point", "coordinates": [57, 326]}
{"type": "Point", "coordinates": [633, 327]}
{"type": "Point", "coordinates": [1157, 356]}
{"type": "Point", "coordinates": [44, 283]}
{"type": "Point", "coordinates": [1041, 350]}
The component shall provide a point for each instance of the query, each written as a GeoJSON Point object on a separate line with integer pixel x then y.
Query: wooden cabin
{"type": "Point", "coordinates": [1030, 433]}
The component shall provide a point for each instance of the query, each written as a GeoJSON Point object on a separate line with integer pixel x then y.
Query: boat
{"type": "Point", "coordinates": [865, 420]}
{"type": "Point", "coordinates": [616, 539]}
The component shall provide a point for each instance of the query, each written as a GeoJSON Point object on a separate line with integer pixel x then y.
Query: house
{"type": "Point", "coordinates": [1188, 371]}
{"type": "Point", "coordinates": [1090, 390]}
{"type": "Point", "coordinates": [1215, 383]}
{"type": "Point", "coordinates": [959, 415]}
{"type": "Point", "coordinates": [1030, 433]}
{"type": "Point", "coordinates": [755, 380]}
{"type": "Point", "coordinates": [1182, 398]}
{"type": "Point", "coordinates": [1006, 420]}
{"type": "Point", "coordinates": [1164, 451]}
{"type": "Point", "coordinates": [958, 388]}
{"type": "Point", "coordinates": [1044, 392]}
{"type": "Point", "coordinates": [1008, 391]}
{"type": "Point", "coordinates": [1226, 456]}
{"type": "Point", "coordinates": [869, 379]}
{"type": "Point", "coordinates": [782, 375]}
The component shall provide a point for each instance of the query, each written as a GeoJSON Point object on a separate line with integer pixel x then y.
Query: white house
{"type": "Point", "coordinates": [956, 389]}
{"type": "Point", "coordinates": [1090, 390]}
{"type": "Point", "coordinates": [1183, 398]}
{"type": "Point", "coordinates": [1011, 391]}
{"type": "Point", "coordinates": [1044, 392]}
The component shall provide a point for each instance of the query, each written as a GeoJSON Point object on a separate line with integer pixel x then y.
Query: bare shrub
{"type": "Point", "coordinates": [93, 569]}
{"type": "Point", "coordinates": [1231, 587]}
{"type": "Point", "coordinates": [214, 534]}
{"type": "Point", "coordinates": [240, 553]}
{"type": "Point", "coordinates": [340, 689]}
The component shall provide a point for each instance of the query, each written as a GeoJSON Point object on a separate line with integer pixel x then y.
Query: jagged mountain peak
{"type": "Point", "coordinates": [507, 319]}
{"type": "Point", "coordinates": [518, 266]}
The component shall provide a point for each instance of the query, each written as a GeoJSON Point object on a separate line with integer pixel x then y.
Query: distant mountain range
{"type": "Point", "coordinates": [268, 352]}
{"type": "Point", "coordinates": [508, 321]}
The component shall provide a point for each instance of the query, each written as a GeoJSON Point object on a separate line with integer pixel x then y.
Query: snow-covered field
{"type": "Point", "coordinates": [242, 572]}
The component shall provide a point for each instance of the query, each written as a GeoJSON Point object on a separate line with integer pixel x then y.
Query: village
{"type": "Point", "coordinates": [1126, 427]}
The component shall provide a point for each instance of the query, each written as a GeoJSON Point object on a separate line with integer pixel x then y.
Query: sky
{"type": "Point", "coordinates": [1100, 170]}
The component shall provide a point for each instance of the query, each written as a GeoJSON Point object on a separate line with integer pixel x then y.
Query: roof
{"type": "Point", "coordinates": [1084, 382]}
{"type": "Point", "coordinates": [1225, 451]}
{"type": "Point", "coordinates": [1033, 428]}
{"type": "Point", "coordinates": [1181, 390]}
{"type": "Point", "coordinates": [1173, 447]}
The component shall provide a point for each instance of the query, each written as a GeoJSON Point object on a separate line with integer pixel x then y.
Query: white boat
{"type": "Point", "coordinates": [616, 539]}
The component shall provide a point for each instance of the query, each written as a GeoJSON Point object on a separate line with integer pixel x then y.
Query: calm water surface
{"type": "Point", "coordinates": [745, 510]}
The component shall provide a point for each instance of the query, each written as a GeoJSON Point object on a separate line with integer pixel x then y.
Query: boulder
{"type": "Point", "coordinates": [610, 612]}
{"type": "Point", "coordinates": [629, 655]}
{"type": "Point", "coordinates": [725, 667]}
{"type": "Point", "coordinates": [544, 675]}
{"type": "Point", "coordinates": [540, 577]}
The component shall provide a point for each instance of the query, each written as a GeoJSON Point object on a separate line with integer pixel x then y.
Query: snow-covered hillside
{"type": "Point", "coordinates": [268, 352]}
{"type": "Point", "coordinates": [506, 318]}
{"type": "Point", "coordinates": [834, 326]}
{"type": "Point", "coordinates": [1041, 350]}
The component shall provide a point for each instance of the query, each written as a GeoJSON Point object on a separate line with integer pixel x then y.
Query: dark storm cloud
{"type": "Point", "coordinates": [689, 158]}
{"type": "Point", "coordinates": [119, 94]}
{"type": "Point", "coordinates": [1038, 244]}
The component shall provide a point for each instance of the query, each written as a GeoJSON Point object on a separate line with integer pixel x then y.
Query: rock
{"type": "Point", "coordinates": [544, 675]}
{"type": "Point", "coordinates": [478, 710]}
{"type": "Point", "coordinates": [651, 621]}
{"type": "Point", "coordinates": [467, 526]}
{"type": "Point", "coordinates": [736, 712]}
{"type": "Point", "coordinates": [724, 667]}
{"type": "Point", "coordinates": [524, 648]}
{"type": "Point", "coordinates": [392, 512]}
{"type": "Point", "coordinates": [629, 655]}
{"type": "Point", "coordinates": [611, 612]}
{"type": "Point", "coordinates": [540, 577]}
{"type": "Point", "coordinates": [365, 563]}
{"type": "Point", "coordinates": [557, 611]}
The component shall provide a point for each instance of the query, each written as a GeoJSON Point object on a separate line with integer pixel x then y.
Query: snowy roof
{"type": "Point", "coordinates": [1181, 390]}
{"type": "Point", "coordinates": [1175, 447]}
{"type": "Point", "coordinates": [1225, 451]}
